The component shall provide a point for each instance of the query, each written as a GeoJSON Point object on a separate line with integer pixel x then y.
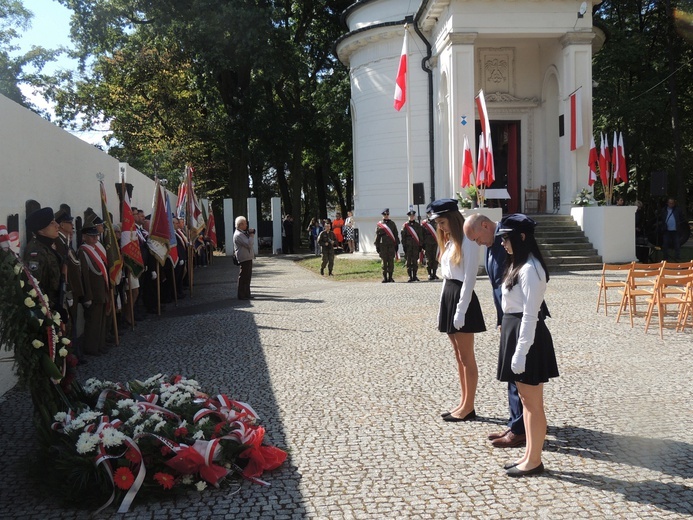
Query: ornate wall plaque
{"type": "Point", "coordinates": [497, 70]}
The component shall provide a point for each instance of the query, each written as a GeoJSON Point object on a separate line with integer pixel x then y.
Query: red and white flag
{"type": "Point", "coordinates": [401, 81]}
{"type": "Point", "coordinates": [467, 165]}
{"type": "Point", "coordinates": [576, 120]}
{"type": "Point", "coordinates": [487, 147]}
{"type": "Point", "coordinates": [603, 163]}
{"type": "Point", "coordinates": [593, 163]}
{"type": "Point", "coordinates": [615, 158]}
{"type": "Point", "coordinates": [480, 173]}
{"type": "Point", "coordinates": [622, 170]}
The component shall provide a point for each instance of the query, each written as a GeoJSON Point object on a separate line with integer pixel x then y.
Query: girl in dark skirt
{"type": "Point", "coordinates": [526, 352]}
{"type": "Point", "coordinates": [460, 313]}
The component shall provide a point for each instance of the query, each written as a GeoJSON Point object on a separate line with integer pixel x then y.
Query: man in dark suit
{"type": "Point", "coordinates": [482, 230]}
{"type": "Point", "coordinates": [96, 291]}
{"type": "Point", "coordinates": [673, 223]}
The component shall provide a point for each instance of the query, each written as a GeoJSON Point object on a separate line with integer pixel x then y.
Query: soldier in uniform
{"type": "Point", "coordinates": [430, 244]}
{"type": "Point", "coordinates": [96, 294]}
{"type": "Point", "coordinates": [412, 242]}
{"type": "Point", "coordinates": [41, 256]}
{"type": "Point", "coordinates": [72, 273]}
{"type": "Point", "coordinates": [327, 241]}
{"type": "Point", "coordinates": [386, 244]}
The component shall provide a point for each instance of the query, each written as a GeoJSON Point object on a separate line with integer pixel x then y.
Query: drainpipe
{"type": "Point", "coordinates": [427, 69]}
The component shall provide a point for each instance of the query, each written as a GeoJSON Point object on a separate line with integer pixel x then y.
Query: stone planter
{"type": "Point", "coordinates": [610, 229]}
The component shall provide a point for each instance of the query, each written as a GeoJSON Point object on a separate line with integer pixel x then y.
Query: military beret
{"type": "Point", "coordinates": [386, 211]}
{"type": "Point", "coordinates": [90, 230]}
{"type": "Point", "coordinates": [39, 219]}
{"type": "Point", "coordinates": [63, 216]}
{"type": "Point", "coordinates": [442, 206]}
{"type": "Point", "coordinates": [516, 223]}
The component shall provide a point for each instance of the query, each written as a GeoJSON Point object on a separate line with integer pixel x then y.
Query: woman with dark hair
{"type": "Point", "coordinates": [526, 355]}
{"type": "Point", "coordinates": [460, 314]}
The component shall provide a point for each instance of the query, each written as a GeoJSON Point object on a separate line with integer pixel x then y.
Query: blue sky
{"type": "Point", "coordinates": [50, 28]}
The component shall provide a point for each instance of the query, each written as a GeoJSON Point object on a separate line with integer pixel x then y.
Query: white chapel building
{"type": "Point", "coordinates": [528, 56]}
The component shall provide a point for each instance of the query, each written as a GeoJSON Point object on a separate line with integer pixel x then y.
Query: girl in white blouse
{"type": "Point", "coordinates": [526, 354]}
{"type": "Point", "coordinates": [460, 314]}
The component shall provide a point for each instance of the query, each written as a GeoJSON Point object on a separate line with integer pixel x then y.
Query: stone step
{"type": "Point", "coordinates": [564, 251]}
{"type": "Point", "coordinates": [564, 245]}
{"type": "Point", "coordinates": [578, 259]}
{"type": "Point", "coordinates": [562, 240]}
{"type": "Point", "coordinates": [562, 268]}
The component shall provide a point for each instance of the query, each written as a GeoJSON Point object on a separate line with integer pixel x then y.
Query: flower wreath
{"type": "Point", "coordinates": [112, 438]}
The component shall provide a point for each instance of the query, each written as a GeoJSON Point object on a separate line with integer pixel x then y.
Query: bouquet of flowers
{"type": "Point", "coordinates": [158, 435]}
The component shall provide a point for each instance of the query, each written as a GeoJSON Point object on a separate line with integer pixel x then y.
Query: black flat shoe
{"type": "Point", "coordinates": [509, 465]}
{"type": "Point", "coordinates": [469, 417]}
{"type": "Point", "coordinates": [516, 472]}
{"type": "Point", "coordinates": [445, 414]}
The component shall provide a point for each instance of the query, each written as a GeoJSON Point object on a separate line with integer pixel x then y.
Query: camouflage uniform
{"type": "Point", "coordinates": [386, 246]}
{"type": "Point", "coordinates": [327, 240]}
{"type": "Point", "coordinates": [412, 247]}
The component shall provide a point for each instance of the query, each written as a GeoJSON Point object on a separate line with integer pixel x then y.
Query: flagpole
{"type": "Point", "coordinates": [408, 125]}
{"type": "Point", "coordinates": [158, 290]}
{"type": "Point", "coordinates": [173, 278]}
{"type": "Point", "coordinates": [115, 319]}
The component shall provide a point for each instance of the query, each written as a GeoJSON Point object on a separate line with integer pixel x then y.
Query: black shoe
{"type": "Point", "coordinates": [330, 273]}
{"type": "Point", "coordinates": [431, 277]}
{"type": "Point", "coordinates": [516, 472]}
{"type": "Point", "coordinates": [416, 279]}
{"type": "Point", "coordinates": [469, 417]}
{"type": "Point", "coordinates": [509, 465]}
{"type": "Point", "coordinates": [322, 272]}
{"type": "Point", "coordinates": [445, 414]}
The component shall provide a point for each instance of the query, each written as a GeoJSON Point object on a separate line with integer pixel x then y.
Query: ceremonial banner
{"type": "Point", "coordinates": [110, 242]}
{"type": "Point", "coordinates": [129, 244]}
{"type": "Point", "coordinates": [401, 81]}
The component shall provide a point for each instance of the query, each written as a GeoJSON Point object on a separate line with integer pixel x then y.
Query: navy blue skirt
{"type": "Point", "coordinates": [473, 319]}
{"type": "Point", "coordinates": [541, 359]}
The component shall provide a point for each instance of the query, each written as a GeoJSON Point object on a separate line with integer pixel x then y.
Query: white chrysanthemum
{"type": "Point", "coordinates": [199, 435]}
{"type": "Point", "coordinates": [60, 416]}
{"type": "Point", "coordinates": [17, 268]}
{"type": "Point", "coordinates": [62, 352]}
{"type": "Point", "coordinates": [125, 403]}
{"type": "Point", "coordinates": [138, 429]}
{"type": "Point", "coordinates": [92, 385]}
{"type": "Point", "coordinates": [186, 480]}
{"type": "Point", "coordinates": [65, 341]}
{"type": "Point", "coordinates": [203, 421]}
{"type": "Point", "coordinates": [33, 293]}
{"type": "Point", "coordinates": [37, 344]}
{"type": "Point", "coordinates": [159, 426]}
{"type": "Point", "coordinates": [87, 443]}
{"type": "Point", "coordinates": [111, 437]}
{"type": "Point", "coordinates": [201, 485]}
{"type": "Point", "coordinates": [29, 302]}
{"type": "Point", "coordinates": [136, 418]}
{"type": "Point", "coordinates": [115, 413]}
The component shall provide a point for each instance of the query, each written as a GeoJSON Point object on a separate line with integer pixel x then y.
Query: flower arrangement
{"type": "Point", "coordinates": [43, 356]}
{"type": "Point", "coordinates": [584, 198]}
{"type": "Point", "coordinates": [160, 435]}
{"type": "Point", "coordinates": [113, 439]}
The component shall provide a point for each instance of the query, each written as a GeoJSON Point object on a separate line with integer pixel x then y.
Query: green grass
{"type": "Point", "coordinates": [349, 268]}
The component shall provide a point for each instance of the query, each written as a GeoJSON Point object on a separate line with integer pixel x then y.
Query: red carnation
{"type": "Point", "coordinates": [181, 432]}
{"type": "Point", "coordinates": [166, 480]}
{"type": "Point", "coordinates": [123, 478]}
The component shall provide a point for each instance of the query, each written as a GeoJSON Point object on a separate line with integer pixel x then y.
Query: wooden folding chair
{"type": "Point", "coordinates": [667, 292]}
{"type": "Point", "coordinates": [686, 310]}
{"type": "Point", "coordinates": [608, 281]}
{"type": "Point", "coordinates": [639, 284]}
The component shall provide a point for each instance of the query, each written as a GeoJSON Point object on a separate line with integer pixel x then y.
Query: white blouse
{"type": "Point", "coordinates": [526, 297]}
{"type": "Point", "coordinates": [465, 271]}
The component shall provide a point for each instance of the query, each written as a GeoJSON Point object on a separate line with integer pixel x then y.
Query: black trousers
{"type": "Point", "coordinates": [245, 272]}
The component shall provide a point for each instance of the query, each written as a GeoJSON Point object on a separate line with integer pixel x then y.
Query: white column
{"type": "Point", "coordinates": [276, 205]}
{"type": "Point", "coordinates": [228, 226]}
{"type": "Point", "coordinates": [577, 72]}
{"type": "Point", "coordinates": [252, 219]}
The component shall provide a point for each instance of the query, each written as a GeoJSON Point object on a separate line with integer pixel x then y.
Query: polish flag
{"type": "Point", "coordinates": [622, 170]}
{"type": "Point", "coordinates": [467, 165]}
{"type": "Point", "coordinates": [480, 163]}
{"type": "Point", "coordinates": [487, 147]}
{"type": "Point", "coordinates": [401, 81]}
{"type": "Point", "coordinates": [603, 163]}
{"type": "Point", "coordinates": [576, 120]}
{"type": "Point", "coordinates": [616, 159]}
{"type": "Point", "coordinates": [593, 162]}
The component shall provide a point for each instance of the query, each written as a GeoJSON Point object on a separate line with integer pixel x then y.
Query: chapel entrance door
{"type": "Point", "coordinates": [505, 136]}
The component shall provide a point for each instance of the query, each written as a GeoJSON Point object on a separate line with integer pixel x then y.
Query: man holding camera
{"type": "Point", "coordinates": [243, 241]}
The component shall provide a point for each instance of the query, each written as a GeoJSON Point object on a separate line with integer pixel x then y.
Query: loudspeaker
{"type": "Point", "coordinates": [419, 197]}
{"type": "Point", "coordinates": [658, 184]}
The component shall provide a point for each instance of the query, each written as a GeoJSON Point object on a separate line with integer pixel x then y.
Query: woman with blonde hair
{"type": "Point", "coordinates": [460, 314]}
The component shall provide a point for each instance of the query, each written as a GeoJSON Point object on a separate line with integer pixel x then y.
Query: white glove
{"type": "Point", "coordinates": [181, 262]}
{"type": "Point", "coordinates": [517, 365]}
{"type": "Point", "coordinates": [458, 319]}
{"type": "Point", "coordinates": [153, 275]}
{"type": "Point", "coordinates": [87, 304]}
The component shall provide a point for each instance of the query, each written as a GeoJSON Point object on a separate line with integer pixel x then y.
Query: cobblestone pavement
{"type": "Point", "coordinates": [351, 378]}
